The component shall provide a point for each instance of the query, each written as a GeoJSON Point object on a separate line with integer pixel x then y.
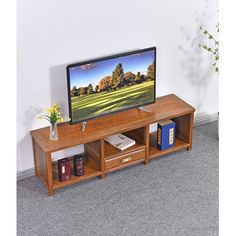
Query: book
{"type": "Point", "coordinates": [120, 141]}
{"type": "Point", "coordinates": [64, 169]}
{"type": "Point", "coordinates": [165, 134]}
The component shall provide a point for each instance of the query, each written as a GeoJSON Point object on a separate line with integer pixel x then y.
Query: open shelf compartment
{"type": "Point", "coordinates": [137, 134]}
{"type": "Point", "coordinates": [92, 168]}
{"type": "Point", "coordinates": [89, 172]}
{"type": "Point", "coordinates": [182, 137]}
{"type": "Point", "coordinates": [155, 152]}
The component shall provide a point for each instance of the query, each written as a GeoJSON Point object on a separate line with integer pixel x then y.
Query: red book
{"type": "Point", "coordinates": [64, 169]}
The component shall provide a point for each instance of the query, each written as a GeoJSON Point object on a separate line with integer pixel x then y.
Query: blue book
{"type": "Point", "coordinates": [165, 134]}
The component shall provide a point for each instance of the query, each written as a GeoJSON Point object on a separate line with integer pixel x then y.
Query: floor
{"type": "Point", "coordinates": [173, 195]}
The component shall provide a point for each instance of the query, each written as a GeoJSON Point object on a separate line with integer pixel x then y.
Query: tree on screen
{"type": "Point", "coordinates": [150, 72]}
{"type": "Point", "coordinates": [90, 89]}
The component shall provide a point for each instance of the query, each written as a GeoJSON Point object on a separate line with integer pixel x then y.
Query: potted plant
{"type": "Point", "coordinates": [53, 115]}
{"type": "Point", "coordinates": [212, 49]}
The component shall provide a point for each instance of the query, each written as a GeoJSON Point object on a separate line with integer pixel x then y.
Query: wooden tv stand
{"type": "Point", "coordinates": [102, 157]}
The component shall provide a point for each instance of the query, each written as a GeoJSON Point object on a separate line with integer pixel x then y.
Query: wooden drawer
{"type": "Point", "coordinates": [124, 159]}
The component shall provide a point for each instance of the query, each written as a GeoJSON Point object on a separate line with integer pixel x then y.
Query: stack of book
{"type": "Point", "coordinates": [120, 141]}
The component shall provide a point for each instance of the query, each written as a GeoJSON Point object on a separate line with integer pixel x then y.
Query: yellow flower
{"type": "Point", "coordinates": [60, 119]}
{"type": "Point", "coordinates": [53, 114]}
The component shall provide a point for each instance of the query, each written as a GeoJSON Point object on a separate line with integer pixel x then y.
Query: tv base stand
{"type": "Point", "coordinates": [104, 158]}
{"type": "Point", "coordinates": [84, 123]}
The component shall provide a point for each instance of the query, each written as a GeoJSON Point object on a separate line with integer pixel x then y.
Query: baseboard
{"type": "Point", "coordinates": [202, 118]}
{"type": "Point", "coordinates": [25, 174]}
{"type": "Point", "coordinates": [199, 119]}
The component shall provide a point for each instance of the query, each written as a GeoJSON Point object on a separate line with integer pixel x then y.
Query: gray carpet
{"type": "Point", "coordinates": [173, 195]}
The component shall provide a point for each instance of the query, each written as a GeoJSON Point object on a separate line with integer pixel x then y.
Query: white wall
{"type": "Point", "coordinates": [53, 33]}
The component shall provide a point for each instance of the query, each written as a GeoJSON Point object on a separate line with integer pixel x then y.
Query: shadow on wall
{"type": "Point", "coordinates": [59, 94]}
{"type": "Point", "coordinates": [23, 149]}
{"type": "Point", "coordinates": [58, 86]}
{"type": "Point", "coordinates": [195, 63]}
{"type": "Point", "coordinates": [58, 91]}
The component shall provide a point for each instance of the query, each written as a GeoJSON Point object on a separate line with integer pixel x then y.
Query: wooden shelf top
{"type": "Point", "coordinates": [165, 107]}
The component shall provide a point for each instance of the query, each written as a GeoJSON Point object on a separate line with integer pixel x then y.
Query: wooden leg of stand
{"type": "Point", "coordinates": [49, 174]}
{"type": "Point", "coordinates": [190, 131]}
{"type": "Point", "coordinates": [103, 176]}
{"type": "Point", "coordinates": [36, 158]}
{"type": "Point", "coordinates": [146, 162]}
{"type": "Point", "coordinates": [102, 156]}
{"type": "Point", "coordinates": [50, 192]}
{"type": "Point", "coordinates": [147, 144]}
{"type": "Point", "coordinates": [189, 148]}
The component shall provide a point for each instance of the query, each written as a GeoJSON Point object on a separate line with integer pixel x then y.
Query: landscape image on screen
{"type": "Point", "coordinates": [110, 85]}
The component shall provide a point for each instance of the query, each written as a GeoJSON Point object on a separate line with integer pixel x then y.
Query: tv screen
{"type": "Point", "coordinates": [111, 84]}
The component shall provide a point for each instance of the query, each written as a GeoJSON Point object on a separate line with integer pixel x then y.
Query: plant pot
{"type": "Point", "coordinates": [53, 132]}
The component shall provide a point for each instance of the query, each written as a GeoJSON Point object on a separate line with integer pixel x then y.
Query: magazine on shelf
{"type": "Point", "coordinates": [120, 141]}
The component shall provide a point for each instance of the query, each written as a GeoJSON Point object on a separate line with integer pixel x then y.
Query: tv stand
{"type": "Point", "coordinates": [144, 109]}
{"type": "Point", "coordinates": [83, 126]}
{"type": "Point", "coordinates": [104, 158]}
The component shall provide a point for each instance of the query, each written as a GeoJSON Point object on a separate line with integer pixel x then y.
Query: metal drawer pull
{"type": "Point", "coordinates": [126, 159]}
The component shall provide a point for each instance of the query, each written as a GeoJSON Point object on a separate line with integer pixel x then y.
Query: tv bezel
{"type": "Point", "coordinates": [104, 59]}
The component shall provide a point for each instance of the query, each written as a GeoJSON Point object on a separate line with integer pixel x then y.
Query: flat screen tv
{"type": "Point", "coordinates": [111, 84]}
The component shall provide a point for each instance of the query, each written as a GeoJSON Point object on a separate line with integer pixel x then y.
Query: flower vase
{"type": "Point", "coordinates": [53, 132]}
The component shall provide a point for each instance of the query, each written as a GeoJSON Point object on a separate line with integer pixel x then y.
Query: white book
{"type": "Point", "coordinates": [120, 141]}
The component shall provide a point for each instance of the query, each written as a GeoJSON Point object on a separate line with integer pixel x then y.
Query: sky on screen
{"type": "Point", "coordinates": [81, 76]}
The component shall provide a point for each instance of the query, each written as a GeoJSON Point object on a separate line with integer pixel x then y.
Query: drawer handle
{"type": "Point", "coordinates": [126, 159]}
